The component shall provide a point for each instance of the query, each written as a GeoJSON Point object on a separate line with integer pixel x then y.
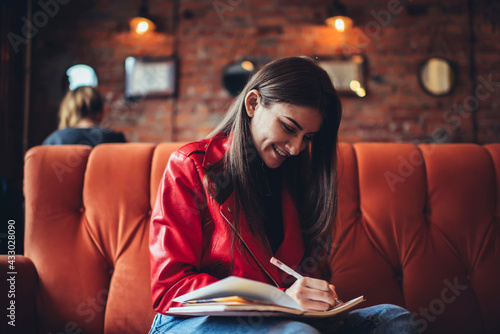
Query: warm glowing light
{"type": "Point", "coordinates": [357, 59]}
{"type": "Point", "coordinates": [354, 85]}
{"type": "Point", "coordinates": [141, 25]}
{"type": "Point", "coordinates": [247, 65]}
{"type": "Point", "coordinates": [361, 92]}
{"type": "Point", "coordinates": [340, 23]}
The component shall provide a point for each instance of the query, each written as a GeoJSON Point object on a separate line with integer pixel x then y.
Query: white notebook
{"type": "Point", "coordinates": [236, 296]}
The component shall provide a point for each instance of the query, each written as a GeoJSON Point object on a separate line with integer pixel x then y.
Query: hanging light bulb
{"type": "Point", "coordinates": [340, 23]}
{"type": "Point", "coordinates": [338, 19]}
{"type": "Point", "coordinates": [141, 24]}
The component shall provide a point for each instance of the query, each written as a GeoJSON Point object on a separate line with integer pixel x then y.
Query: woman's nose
{"type": "Point", "coordinates": [293, 146]}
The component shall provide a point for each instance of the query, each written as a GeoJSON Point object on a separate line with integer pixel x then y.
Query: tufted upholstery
{"type": "Point", "coordinates": [418, 226]}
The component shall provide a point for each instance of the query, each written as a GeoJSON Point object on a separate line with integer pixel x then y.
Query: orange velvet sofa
{"type": "Point", "coordinates": [418, 226]}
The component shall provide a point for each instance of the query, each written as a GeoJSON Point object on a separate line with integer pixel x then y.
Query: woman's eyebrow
{"type": "Point", "coordinates": [297, 124]}
{"type": "Point", "coordinates": [294, 122]}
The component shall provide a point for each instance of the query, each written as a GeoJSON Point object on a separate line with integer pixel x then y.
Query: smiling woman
{"type": "Point", "coordinates": [276, 130]}
{"type": "Point", "coordinates": [263, 185]}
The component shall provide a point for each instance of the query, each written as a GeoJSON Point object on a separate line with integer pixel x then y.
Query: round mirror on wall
{"type": "Point", "coordinates": [437, 76]}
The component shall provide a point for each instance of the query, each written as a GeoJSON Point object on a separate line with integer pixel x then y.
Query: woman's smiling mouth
{"type": "Point", "coordinates": [280, 152]}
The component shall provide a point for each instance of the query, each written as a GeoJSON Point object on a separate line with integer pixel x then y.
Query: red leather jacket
{"type": "Point", "coordinates": [191, 234]}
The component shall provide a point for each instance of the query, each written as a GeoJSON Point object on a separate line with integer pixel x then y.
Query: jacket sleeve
{"type": "Point", "coordinates": [176, 239]}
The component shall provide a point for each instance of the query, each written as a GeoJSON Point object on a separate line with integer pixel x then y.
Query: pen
{"type": "Point", "coordinates": [285, 268]}
{"type": "Point", "coordinates": [295, 274]}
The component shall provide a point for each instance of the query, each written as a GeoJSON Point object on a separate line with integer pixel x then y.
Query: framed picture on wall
{"type": "Point", "coordinates": [347, 73]}
{"type": "Point", "coordinates": [150, 77]}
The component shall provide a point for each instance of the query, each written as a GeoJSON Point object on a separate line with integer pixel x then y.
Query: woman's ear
{"type": "Point", "coordinates": [252, 100]}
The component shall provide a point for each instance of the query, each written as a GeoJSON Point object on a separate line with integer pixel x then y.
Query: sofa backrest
{"type": "Point", "coordinates": [417, 227]}
{"type": "Point", "coordinates": [87, 230]}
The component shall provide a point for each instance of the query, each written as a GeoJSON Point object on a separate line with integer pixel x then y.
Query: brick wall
{"type": "Point", "coordinates": [212, 34]}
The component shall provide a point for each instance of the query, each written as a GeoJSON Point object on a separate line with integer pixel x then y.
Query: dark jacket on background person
{"type": "Point", "coordinates": [84, 136]}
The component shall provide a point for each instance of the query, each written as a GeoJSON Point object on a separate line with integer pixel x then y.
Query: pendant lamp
{"type": "Point", "coordinates": [141, 23]}
{"type": "Point", "coordinates": [338, 18]}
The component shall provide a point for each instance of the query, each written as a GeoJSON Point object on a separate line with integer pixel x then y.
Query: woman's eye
{"type": "Point", "coordinates": [308, 138]}
{"type": "Point", "coordinates": [287, 128]}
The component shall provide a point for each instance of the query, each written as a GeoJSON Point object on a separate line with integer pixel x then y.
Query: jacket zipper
{"type": "Point", "coordinates": [248, 248]}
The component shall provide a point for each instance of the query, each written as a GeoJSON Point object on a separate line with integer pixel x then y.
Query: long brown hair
{"type": "Point", "coordinates": [312, 175]}
{"type": "Point", "coordinates": [82, 102]}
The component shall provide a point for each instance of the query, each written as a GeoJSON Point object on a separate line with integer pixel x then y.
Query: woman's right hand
{"type": "Point", "coordinates": [313, 294]}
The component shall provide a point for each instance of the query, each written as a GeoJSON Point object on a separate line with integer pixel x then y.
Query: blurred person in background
{"type": "Point", "coordinates": [80, 113]}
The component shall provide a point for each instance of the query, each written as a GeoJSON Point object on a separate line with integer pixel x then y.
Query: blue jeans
{"type": "Point", "coordinates": [383, 318]}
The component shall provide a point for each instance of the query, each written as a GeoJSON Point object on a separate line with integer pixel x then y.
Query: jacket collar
{"type": "Point", "coordinates": [216, 147]}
